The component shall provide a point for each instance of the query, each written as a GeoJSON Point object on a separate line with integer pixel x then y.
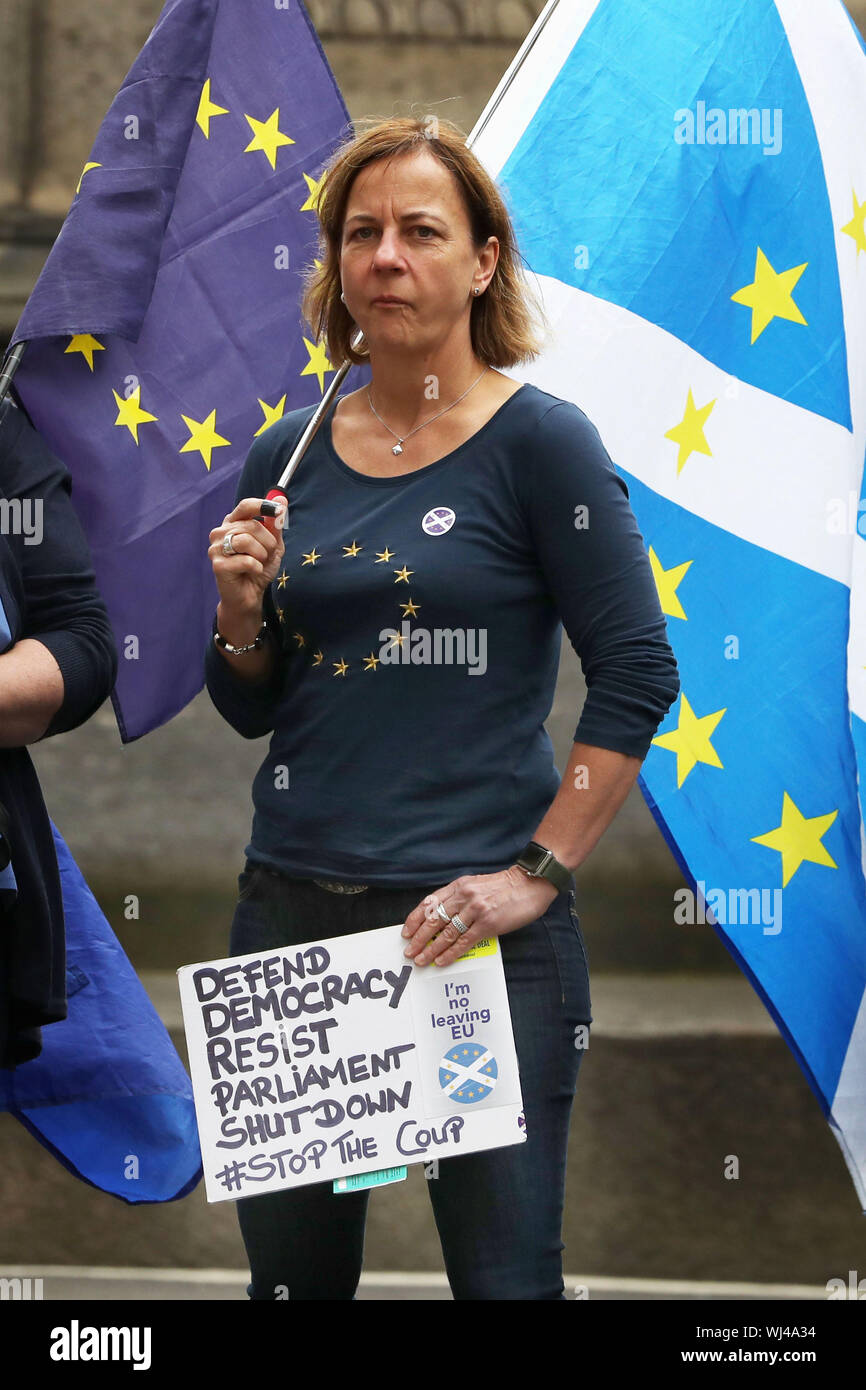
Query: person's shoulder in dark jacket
{"type": "Point", "coordinates": [52, 575]}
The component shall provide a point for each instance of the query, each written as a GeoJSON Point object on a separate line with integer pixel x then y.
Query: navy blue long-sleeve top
{"type": "Point", "coordinates": [418, 619]}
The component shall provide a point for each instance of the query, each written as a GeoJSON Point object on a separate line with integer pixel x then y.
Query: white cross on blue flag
{"type": "Point", "coordinates": [688, 185]}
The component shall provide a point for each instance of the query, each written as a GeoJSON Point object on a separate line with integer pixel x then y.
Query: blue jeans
{"type": "Point", "coordinates": [498, 1212]}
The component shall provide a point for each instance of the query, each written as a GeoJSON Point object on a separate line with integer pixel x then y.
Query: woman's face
{"type": "Point", "coordinates": [406, 234]}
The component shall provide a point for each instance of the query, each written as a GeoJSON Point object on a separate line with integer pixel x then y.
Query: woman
{"type": "Point", "coordinates": [409, 776]}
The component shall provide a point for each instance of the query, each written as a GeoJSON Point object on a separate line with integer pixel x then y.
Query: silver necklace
{"type": "Point", "coordinates": [398, 447]}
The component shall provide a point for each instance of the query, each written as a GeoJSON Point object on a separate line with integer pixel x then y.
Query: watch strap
{"type": "Point", "coordinates": [539, 862]}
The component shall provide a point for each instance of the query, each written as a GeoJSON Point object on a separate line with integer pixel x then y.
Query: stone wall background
{"type": "Point", "coordinates": [62, 62]}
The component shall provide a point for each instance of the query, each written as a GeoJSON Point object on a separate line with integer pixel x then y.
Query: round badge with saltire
{"type": "Point", "coordinates": [468, 1072]}
{"type": "Point", "coordinates": [438, 520]}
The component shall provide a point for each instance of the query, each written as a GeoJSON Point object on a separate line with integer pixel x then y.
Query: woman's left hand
{"type": "Point", "coordinates": [488, 904]}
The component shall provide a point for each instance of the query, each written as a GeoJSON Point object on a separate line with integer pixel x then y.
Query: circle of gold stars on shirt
{"type": "Point", "coordinates": [352, 551]}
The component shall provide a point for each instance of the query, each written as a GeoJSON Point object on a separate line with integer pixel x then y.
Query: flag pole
{"type": "Point", "coordinates": [511, 71]}
{"type": "Point", "coordinates": [10, 366]}
{"type": "Point", "coordinates": [312, 426]}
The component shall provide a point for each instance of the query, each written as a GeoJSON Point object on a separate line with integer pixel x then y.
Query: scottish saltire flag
{"type": "Point", "coordinates": [164, 333]}
{"type": "Point", "coordinates": [108, 1096]}
{"type": "Point", "coordinates": [468, 1073]}
{"type": "Point", "coordinates": [689, 187]}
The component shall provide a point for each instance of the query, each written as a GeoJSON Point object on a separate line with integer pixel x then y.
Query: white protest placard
{"type": "Point", "coordinates": [338, 1057]}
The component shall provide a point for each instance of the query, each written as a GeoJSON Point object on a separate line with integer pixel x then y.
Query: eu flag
{"type": "Point", "coordinates": [164, 332]}
{"type": "Point", "coordinates": [108, 1095]}
{"type": "Point", "coordinates": [689, 187]}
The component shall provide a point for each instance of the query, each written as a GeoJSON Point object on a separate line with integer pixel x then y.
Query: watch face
{"type": "Point", "coordinates": [532, 856]}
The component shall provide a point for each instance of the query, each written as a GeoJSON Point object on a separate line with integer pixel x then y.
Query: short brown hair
{"type": "Point", "coordinates": [501, 324]}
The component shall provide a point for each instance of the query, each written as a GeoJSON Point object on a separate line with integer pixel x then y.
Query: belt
{"type": "Point", "coordinates": [341, 887]}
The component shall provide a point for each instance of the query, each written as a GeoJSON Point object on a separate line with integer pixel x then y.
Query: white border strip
{"type": "Point", "coordinates": [631, 378]}
{"type": "Point", "coordinates": [390, 1279]}
{"type": "Point", "coordinates": [832, 68]}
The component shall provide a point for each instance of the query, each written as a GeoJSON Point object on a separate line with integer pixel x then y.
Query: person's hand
{"type": "Point", "coordinates": [242, 578]}
{"type": "Point", "coordinates": [488, 904]}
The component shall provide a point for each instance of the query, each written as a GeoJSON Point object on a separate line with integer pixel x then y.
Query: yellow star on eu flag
{"type": "Point", "coordinates": [86, 344]}
{"type": "Point", "coordinates": [798, 838]}
{"type": "Point", "coordinates": [315, 192]}
{"type": "Point", "coordinates": [690, 740]}
{"type": "Point", "coordinates": [318, 363]}
{"type": "Point", "coordinates": [769, 296]}
{"type": "Point", "coordinates": [689, 433]}
{"type": "Point", "coordinates": [85, 170]}
{"type": "Point", "coordinates": [130, 413]}
{"type": "Point", "coordinates": [203, 437]}
{"type": "Point", "coordinates": [272, 413]}
{"type": "Point", "coordinates": [667, 582]}
{"type": "Point", "coordinates": [856, 228]}
{"type": "Point", "coordinates": [207, 110]}
{"type": "Point", "coordinates": [267, 136]}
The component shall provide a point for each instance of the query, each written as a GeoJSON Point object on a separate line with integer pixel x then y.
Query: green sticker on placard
{"type": "Point", "coordinates": [377, 1179]}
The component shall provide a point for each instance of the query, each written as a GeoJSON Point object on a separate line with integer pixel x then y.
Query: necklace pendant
{"type": "Point", "coordinates": [397, 449]}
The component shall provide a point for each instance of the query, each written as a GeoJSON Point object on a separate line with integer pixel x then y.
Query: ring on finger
{"type": "Point", "coordinates": [459, 924]}
{"type": "Point", "coordinates": [440, 912]}
{"type": "Point", "coordinates": [228, 546]}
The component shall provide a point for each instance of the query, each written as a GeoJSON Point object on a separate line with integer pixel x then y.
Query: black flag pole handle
{"type": "Point", "coordinates": [10, 366]}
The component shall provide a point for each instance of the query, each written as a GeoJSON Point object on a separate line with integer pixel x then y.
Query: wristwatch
{"type": "Point", "coordinates": [538, 862]}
